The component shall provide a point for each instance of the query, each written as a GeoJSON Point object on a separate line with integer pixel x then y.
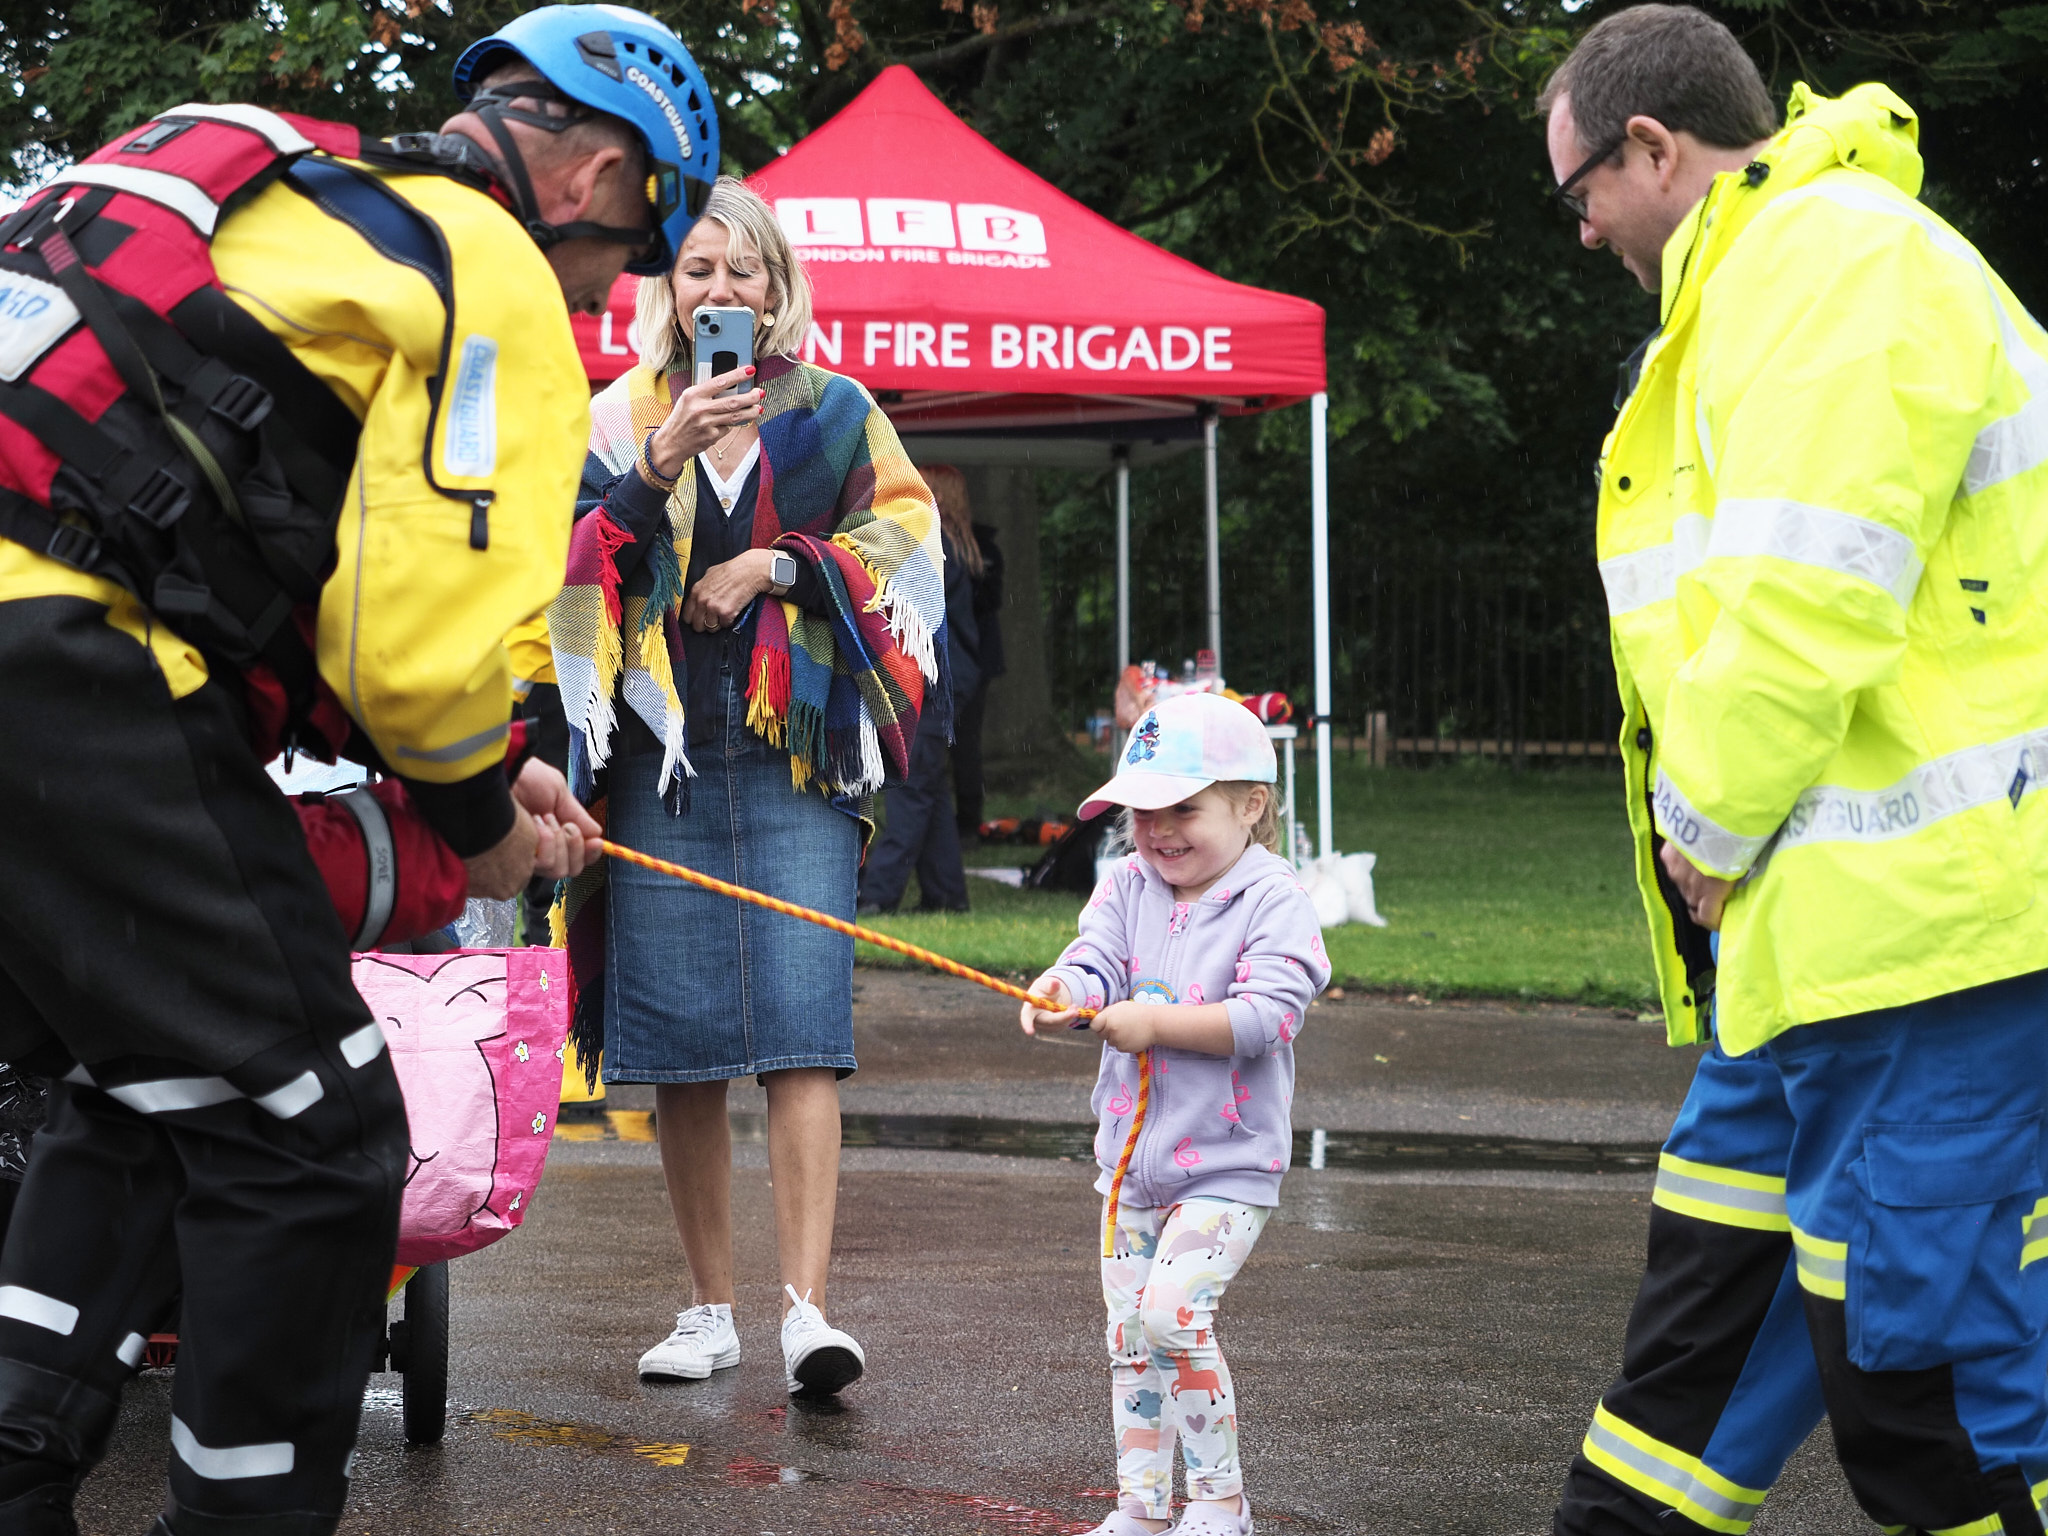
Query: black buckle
{"type": "Point", "coordinates": [162, 499]}
{"type": "Point", "coordinates": [74, 546]}
{"type": "Point", "coordinates": [174, 595]}
{"type": "Point", "coordinates": [243, 402]}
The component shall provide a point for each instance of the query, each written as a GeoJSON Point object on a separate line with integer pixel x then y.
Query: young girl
{"type": "Point", "coordinates": [1209, 921]}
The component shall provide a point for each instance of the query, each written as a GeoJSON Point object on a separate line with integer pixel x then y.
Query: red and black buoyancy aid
{"type": "Point", "coordinates": [153, 432]}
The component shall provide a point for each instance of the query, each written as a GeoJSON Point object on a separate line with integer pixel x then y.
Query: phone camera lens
{"type": "Point", "coordinates": [711, 326]}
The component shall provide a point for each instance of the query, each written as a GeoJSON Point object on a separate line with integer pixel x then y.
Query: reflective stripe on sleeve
{"type": "Point", "coordinates": [1651, 575]}
{"type": "Point", "coordinates": [1726, 1195]}
{"type": "Point", "coordinates": [1961, 781]}
{"type": "Point", "coordinates": [1703, 840]}
{"type": "Point", "coordinates": [1783, 530]}
{"type": "Point", "coordinates": [1668, 1476]}
{"type": "Point", "coordinates": [1823, 1266]}
{"type": "Point", "coordinates": [1822, 537]}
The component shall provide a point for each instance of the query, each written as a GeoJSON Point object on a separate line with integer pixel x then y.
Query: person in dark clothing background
{"type": "Point", "coordinates": [921, 832]}
{"type": "Point", "coordinates": [985, 571]}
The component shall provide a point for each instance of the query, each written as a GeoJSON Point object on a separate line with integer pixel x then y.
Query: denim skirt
{"type": "Point", "coordinates": [700, 987]}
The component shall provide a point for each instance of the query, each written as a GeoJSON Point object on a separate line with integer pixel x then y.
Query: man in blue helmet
{"type": "Point", "coordinates": [291, 444]}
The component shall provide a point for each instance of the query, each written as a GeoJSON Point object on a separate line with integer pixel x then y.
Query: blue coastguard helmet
{"type": "Point", "coordinates": [609, 58]}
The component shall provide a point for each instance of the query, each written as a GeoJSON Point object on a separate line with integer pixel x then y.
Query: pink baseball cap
{"type": "Point", "coordinates": [1179, 747]}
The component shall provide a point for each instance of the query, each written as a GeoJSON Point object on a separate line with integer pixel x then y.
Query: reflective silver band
{"type": "Point", "coordinates": [1961, 781]}
{"type": "Point", "coordinates": [456, 751]}
{"type": "Point", "coordinates": [1705, 842]}
{"type": "Point", "coordinates": [294, 1098]}
{"type": "Point", "coordinates": [1817, 536]}
{"type": "Point", "coordinates": [1735, 1196]}
{"type": "Point", "coordinates": [37, 1310]}
{"type": "Point", "coordinates": [230, 1462]}
{"type": "Point", "coordinates": [380, 889]}
{"type": "Point", "coordinates": [360, 1047]}
{"type": "Point", "coordinates": [173, 192]}
{"type": "Point", "coordinates": [168, 1095]}
{"type": "Point", "coordinates": [1670, 1475]}
{"type": "Point", "coordinates": [1783, 530]}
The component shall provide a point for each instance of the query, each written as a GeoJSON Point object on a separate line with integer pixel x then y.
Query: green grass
{"type": "Point", "coordinates": [1493, 883]}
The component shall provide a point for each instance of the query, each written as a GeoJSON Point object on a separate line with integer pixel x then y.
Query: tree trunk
{"type": "Point", "coordinates": [1021, 731]}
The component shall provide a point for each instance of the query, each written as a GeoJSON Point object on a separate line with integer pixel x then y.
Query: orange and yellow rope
{"type": "Point", "coordinates": [925, 957]}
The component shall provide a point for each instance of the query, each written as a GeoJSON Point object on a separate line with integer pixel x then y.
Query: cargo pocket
{"type": "Point", "coordinates": [1934, 1265]}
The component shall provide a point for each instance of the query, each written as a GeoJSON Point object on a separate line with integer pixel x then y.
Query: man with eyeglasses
{"type": "Point", "coordinates": [1821, 530]}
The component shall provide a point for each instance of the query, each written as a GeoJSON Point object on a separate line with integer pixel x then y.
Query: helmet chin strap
{"type": "Point", "coordinates": [492, 108]}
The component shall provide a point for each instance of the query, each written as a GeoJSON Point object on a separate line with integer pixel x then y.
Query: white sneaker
{"type": "Point", "coordinates": [819, 1357]}
{"type": "Point", "coordinates": [704, 1341]}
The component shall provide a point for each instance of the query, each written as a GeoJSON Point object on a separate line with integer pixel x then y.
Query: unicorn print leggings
{"type": "Point", "coordinates": [1167, 1375]}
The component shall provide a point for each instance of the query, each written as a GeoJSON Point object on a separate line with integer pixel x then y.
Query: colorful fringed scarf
{"type": "Point", "coordinates": [841, 692]}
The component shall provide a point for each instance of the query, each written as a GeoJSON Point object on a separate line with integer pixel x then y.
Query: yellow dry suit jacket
{"type": "Point", "coordinates": [413, 620]}
{"type": "Point", "coordinates": [1823, 532]}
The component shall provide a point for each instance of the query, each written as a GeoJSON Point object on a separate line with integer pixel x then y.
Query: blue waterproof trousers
{"type": "Point", "coordinates": [1907, 1145]}
{"type": "Point", "coordinates": [1718, 1384]}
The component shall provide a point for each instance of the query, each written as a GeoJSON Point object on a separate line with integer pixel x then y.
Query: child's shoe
{"type": "Point", "coordinates": [1206, 1519]}
{"type": "Point", "coordinates": [704, 1341]}
{"type": "Point", "coordinates": [821, 1359]}
{"type": "Point", "coordinates": [1122, 1522]}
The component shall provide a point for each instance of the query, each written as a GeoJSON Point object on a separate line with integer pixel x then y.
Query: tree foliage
{"type": "Point", "coordinates": [1377, 156]}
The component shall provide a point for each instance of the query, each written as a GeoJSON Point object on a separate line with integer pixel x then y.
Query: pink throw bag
{"type": "Point", "coordinates": [476, 1036]}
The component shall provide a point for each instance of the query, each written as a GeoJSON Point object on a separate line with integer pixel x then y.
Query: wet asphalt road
{"type": "Point", "coordinates": [1417, 1341]}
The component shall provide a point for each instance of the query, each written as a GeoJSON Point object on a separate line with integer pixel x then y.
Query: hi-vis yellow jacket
{"type": "Point", "coordinates": [1823, 531]}
{"type": "Point", "coordinates": [413, 621]}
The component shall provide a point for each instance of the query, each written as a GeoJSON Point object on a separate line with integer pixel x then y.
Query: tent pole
{"type": "Point", "coordinates": [1319, 511]}
{"type": "Point", "coordinates": [1122, 452]}
{"type": "Point", "coordinates": [1210, 533]}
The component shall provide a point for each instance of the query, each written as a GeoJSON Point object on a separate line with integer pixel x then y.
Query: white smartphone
{"type": "Point", "coordinates": [724, 341]}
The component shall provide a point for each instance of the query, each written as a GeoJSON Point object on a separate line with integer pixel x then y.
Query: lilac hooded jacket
{"type": "Point", "coordinates": [1215, 1126]}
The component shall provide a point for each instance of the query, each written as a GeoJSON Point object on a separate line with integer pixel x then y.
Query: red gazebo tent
{"type": "Point", "coordinates": [978, 301]}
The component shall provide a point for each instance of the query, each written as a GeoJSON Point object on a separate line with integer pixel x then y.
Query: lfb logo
{"type": "Point", "coordinates": [911, 221]}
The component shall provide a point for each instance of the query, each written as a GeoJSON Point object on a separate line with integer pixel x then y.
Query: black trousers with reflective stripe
{"type": "Point", "coordinates": [165, 938]}
{"type": "Point", "coordinates": [1717, 1367]}
{"type": "Point", "coordinates": [1699, 1320]}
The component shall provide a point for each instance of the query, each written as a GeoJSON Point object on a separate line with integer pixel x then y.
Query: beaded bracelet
{"type": "Point", "coordinates": [648, 472]}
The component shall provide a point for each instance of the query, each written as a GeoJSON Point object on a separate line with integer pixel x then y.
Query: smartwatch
{"type": "Point", "coordinates": [781, 572]}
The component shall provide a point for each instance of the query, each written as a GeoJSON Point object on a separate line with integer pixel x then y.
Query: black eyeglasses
{"type": "Point", "coordinates": [1572, 202]}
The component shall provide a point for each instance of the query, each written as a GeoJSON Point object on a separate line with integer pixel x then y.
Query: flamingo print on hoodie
{"type": "Point", "coordinates": [1216, 1127]}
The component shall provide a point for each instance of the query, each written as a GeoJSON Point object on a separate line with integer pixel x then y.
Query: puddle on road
{"type": "Point", "coordinates": [523, 1428]}
{"type": "Point", "coordinates": [1314, 1147]}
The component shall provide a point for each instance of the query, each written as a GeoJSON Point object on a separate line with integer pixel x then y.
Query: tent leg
{"type": "Point", "coordinates": [1319, 510]}
{"type": "Point", "coordinates": [1214, 539]}
{"type": "Point", "coordinates": [1123, 558]}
